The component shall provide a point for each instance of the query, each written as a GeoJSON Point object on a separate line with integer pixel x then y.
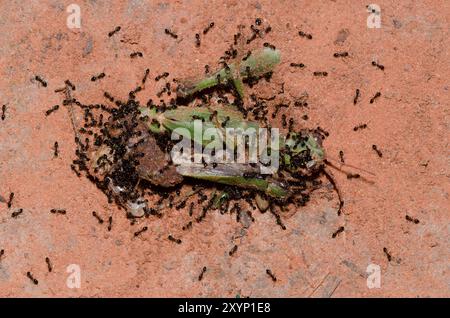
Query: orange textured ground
{"type": "Point", "coordinates": [409, 123]}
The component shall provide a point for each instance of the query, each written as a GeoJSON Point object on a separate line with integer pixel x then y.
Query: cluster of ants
{"type": "Point", "coordinates": [120, 128]}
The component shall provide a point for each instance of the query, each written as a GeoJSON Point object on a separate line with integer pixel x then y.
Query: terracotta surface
{"type": "Point", "coordinates": [409, 123]}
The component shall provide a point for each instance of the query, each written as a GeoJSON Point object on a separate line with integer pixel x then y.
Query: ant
{"type": "Point", "coordinates": [305, 35]}
{"type": "Point", "coordinates": [353, 176]}
{"type": "Point", "coordinates": [266, 44]}
{"type": "Point", "coordinates": [140, 231]}
{"type": "Point", "coordinates": [49, 264]}
{"type": "Point", "coordinates": [56, 149]}
{"type": "Point", "coordinates": [301, 65]}
{"type": "Point", "coordinates": [379, 153]}
{"type": "Point", "coordinates": [147, 71]}
{"type": "Point", "coordinates": [68, 83]}
{"type": "Point", "coordinates": [342, 54]}
{"type": "Point", "coordinates": [3, 112]}
{"type": "Point", "coordinates": [388, 255]}
{"type": "Point", "coordinates": [269, 272]}
{"type": "Point", "coordinates": [208, 28]}
{"type": "Point", "coordinates": [99, 219]}
{"type": "Point", "coordinates": [171, 238]}
{"type": "Point", "coordinates": [362, 126]}
{"type": "Point", "coordinates": [11, 197]}
{"type": "Point", "coordinates": [355, 100]}
{"type": "Point", "coordinates": [187, 226]}
{"type": "Point", "coordinates": [135, 54]}
{"type": "Point", "coordinates": [381, 67]}
{"type": "Point", "coordinates": [410, 219]}
{"type": "Point", "coordinates": [40, 80]}
{"type": "Point", "coordinates": [206, 69]}
{"type": "Point", "coordinates": [320, 74]}
{"type": "Point", "coordinates": [339, 230]}
{"type": "Point", "coordinates": [341, 156]}
{"type": "Point", "coordinates": [197, 40]}
{"type": "Point", "coordinates": [110, 219]}
{"type": "Point", "coordinates": [16, 213]}
{"type": "Point", "coordinates": [58, 211]}
{"type": "Point", "coordinates": [117, 29]}
{"type": "Point", "coordinates": [51, 110]}
{"type": "Point", "coordinates": [34, 280]}
{"type": "Point", "coordinates": [163, 75]}
{"type": "Point", "coordinates": [258, 21]}
{"type": "Point", "coordinates": [200, 277]}
{"type": "Point", "coordinates": [2, 252]}
{"type": "Point", "coordinates": [99, 76]}
{"type": "Point", "coordinates": [377, 94]}
{"type": "Point", "coordinates": [75, 170]}
{"type": "Point", "coordinates": [172, 34]}
{"type": "Point", "coordinates": [233, 250]}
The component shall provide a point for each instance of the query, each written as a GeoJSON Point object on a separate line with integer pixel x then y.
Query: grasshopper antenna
{"type": "Point", "coordinates": [349, 175]}
{"type": "Point", "coordinates": [333, 183]}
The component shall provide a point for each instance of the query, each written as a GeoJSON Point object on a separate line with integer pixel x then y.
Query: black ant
{"type": "Point", "coordinates": [339, 230]}
{"type": "Point", "coordinates": [269, 272]}
{"type": "Point", "coordinates": [58, 211]}
{"type": "Point", "coordinates": [117, 29]}
{"type": "Point", "coordinates": [197, 40]}
{"type": "Point", "coordinates": [147, 71]}
{"type": "Point", "coordinates": [377, 94]}
{"type": "Point", "coordinates": [200, 277]}
{"type": "Point", "coordinates": [99, 219]}
{"type": "Point", "coordinates": [266, 44]}
{"type": "Point", "coordinates": [233, 250]}
{"type": "Point", "coordinates": [353, 176]}
{"type": "Point", "coordinates": [56, 149]}
{"type": "Point", "coordinates": [68, 83]}
{"type": "Point", "coordinates": [140, 231]}
{"type": "Point", "coordinates": [40, 80]}
{"type": "Point", "coordinates": [341, 156]}
{"type": "Point", "coordinates": [2, 252]}
{"type": "Point", "coordinates": [379, 153]}
{"type": "Point", "coordinates": [110, 219]}
{"type": "Point", "coordinates": [11, 197]}
{"type": "Point", "coordinates": [16, 213]}
{"type": "Point", "coordinates": [187, 226]}
{"type": "Point", "coordinates": [362, 126]}
{"type": "Point", "coordinates": [320, 74]}
{"type": "Point", "coordinates": [75, 170]}
{"type": "Point", "coordinates": [163, 75]}
{"type": "Point", "coordinates": [97, 77]}
{"type": "Point", "coordinates": [49, 264]}
{"type": "Point", "coordinates": [172, 34]}
{"type": "Point", "coordinates": [206, 30]}
{"type": "Point", "coordinates": [342, 54]}
{"type": "Point", "coordinates": [51, 110]}
{"type": "Point", "coordinates": [258, 21]}
{"type": "Point", "coordinates": [410, 219]}
{"type": "Point", "coordinates": [206, 69]}
{"type": "Point", "coordinates": [301, 65]}
{"type": "Point", "coordinates": [135, 54]}
{"type": "Point", "coordinates": [355, 100]}
{"type": "Point", "coordinates": [175, 240]}
{"type": "Point", "coordinates": [3, 112]}
{"type": "Point", "coordinates": [34, 280]}
{"type": "Point", "coordinates": [388, 255]}
{"type": "Point", "coordinates": [381, 67]}
{"type": "Point", "coordinates": [305, 35]}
